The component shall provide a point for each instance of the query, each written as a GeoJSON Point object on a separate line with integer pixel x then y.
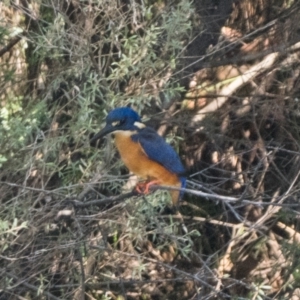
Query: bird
{"type": "Point", "coordinates": [144, 152]}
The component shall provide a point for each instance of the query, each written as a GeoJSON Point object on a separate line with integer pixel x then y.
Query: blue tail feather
{"type": "Point", "coordinates": [183, 185]}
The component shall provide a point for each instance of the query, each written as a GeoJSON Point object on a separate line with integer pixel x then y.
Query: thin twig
{"type": "Point", "coordinates": [32, 287]}
{"type": "Point", "coordinates": [223, 198]}
{"type": "Point", "coordinates": [11, 43]}
{"type": "Point", "coordinates": [78, 204]}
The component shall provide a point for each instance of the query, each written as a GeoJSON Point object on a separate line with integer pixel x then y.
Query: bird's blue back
{"type": "Point", "coordinates": [158, 150]}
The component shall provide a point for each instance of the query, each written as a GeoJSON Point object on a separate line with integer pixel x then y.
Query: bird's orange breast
{"type": "Point", "coordinates": [138, 162]}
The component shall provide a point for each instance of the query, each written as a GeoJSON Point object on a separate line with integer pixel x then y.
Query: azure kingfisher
{"type": "Point", "coordinates": [144, 152]}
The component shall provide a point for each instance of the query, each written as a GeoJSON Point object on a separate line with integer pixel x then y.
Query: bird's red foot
{"type": "Point", "coordinates": [143, 187]}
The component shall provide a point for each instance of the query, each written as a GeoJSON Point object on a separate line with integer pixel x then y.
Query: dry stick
{"type": "Point", "coordinates": [224, 198]}
{"type": "Point", "coordinates": [122, 197]}
{"type": "Point", "coordinates": [29, 188]}
{"type": "Point", "coordinates": [80, 292]}
{"type": "Point", "coordinates": [271, 210]}
{"type": "Point", "coordinates": [79, 204]}
{"type": "Point", "coordinates": [206, 220]}
{"type": "Point", "coordinates": [237, 83]}
{"type": "Point", "coordinates": [292, 233]}
{"type": "Point", "coordinates": [12, 42]}
{"type": "Point", "coordinates": [232, 87]}
{"type": "Point", "coordinates": [31, 287]}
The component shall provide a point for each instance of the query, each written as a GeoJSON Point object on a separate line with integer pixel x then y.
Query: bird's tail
{"type": "Point", "coordinates": [183, 185]}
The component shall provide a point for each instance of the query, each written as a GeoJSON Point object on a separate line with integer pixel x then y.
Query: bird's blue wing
{"type": "Point", "coordinates": [158, 150]}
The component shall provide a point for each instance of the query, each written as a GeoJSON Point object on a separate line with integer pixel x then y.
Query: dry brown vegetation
{"type": "Point", "coordinates": [220, 81]}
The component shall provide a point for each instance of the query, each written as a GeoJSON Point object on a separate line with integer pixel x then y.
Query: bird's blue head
{"type": "Point", "coordinates": [119, 119]}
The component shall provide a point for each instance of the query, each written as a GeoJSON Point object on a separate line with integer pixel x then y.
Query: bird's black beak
{"type": "Point", "coordinates": [106, 130]}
